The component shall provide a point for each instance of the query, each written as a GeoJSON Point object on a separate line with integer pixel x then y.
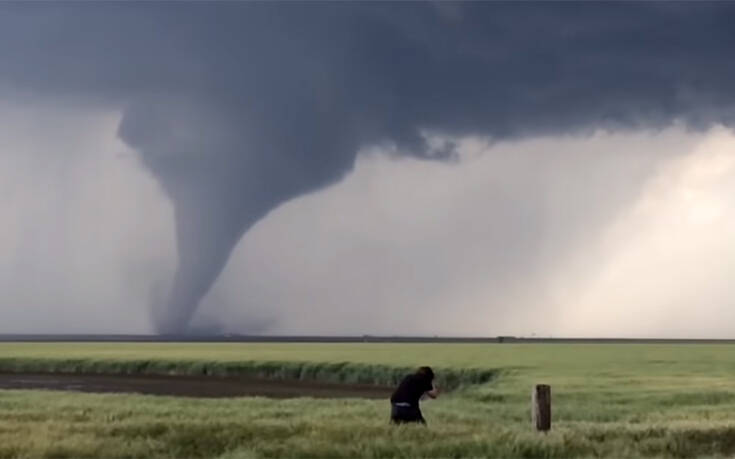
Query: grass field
{"type": "Point", "coordinates": [608, 400]}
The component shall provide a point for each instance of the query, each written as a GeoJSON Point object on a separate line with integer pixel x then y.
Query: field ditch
{"type": "Point", "coordinates": [327, 372]}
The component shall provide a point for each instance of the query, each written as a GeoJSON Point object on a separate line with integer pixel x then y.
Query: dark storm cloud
{"type": "Point", "coordinates": [237, 107]}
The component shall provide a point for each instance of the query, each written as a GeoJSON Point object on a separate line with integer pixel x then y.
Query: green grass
{"type": "Point", "coordinates": [610, 400]}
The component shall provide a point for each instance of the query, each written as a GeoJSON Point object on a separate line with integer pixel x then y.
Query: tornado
{"type": "Point", "coordinates": [221, 178]}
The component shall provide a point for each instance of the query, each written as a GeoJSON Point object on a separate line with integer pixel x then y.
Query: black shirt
{"type": "Point", "coordinates": [411, 389]}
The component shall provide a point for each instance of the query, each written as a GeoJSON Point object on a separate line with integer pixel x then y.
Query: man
{"type": "Point", "coordinates": [405, 400]}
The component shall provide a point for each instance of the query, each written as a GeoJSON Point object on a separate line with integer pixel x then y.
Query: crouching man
{"type": "Point", "coordinates": [405, 400]}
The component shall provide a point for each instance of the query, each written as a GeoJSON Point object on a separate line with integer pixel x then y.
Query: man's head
{"type": "Point", "coordinates": [426, 372]}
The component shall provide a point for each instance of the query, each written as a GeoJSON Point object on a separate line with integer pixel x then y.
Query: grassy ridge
{"type": "Point", "coordinates": [347, 363]}
{"type": "Point", "coordinates": [343, 372]}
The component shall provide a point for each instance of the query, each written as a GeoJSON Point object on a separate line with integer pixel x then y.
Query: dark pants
{"type": "Point", "coordinates": [400, 414]}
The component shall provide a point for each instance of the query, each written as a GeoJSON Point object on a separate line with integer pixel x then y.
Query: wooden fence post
{"type": "Point", "coordinates": [541, 407]}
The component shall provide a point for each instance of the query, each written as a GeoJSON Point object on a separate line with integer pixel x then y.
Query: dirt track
{"type": "Point", "coordinates": [189, 386]}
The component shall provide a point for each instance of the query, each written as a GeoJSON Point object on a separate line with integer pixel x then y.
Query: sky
{"type": "Point", "coordinates": [548, 169]}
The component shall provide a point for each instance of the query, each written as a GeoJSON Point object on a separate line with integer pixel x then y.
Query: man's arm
{"type": "Point", "coordinates": [434, 392]}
